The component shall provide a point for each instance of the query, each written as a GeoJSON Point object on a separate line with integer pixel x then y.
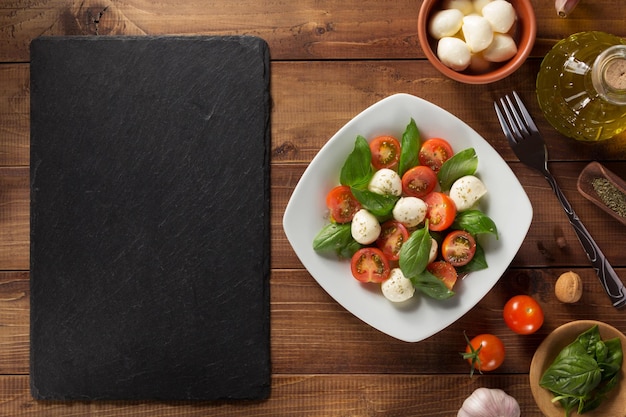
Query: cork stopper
{"type": "Point", "coordinates": [615, 74]}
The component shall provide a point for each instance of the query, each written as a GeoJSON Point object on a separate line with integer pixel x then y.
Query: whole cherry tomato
{"type": "Point", "coordinates": [523, 314]}
{"type": "Point", "coordinates": [484, 352]}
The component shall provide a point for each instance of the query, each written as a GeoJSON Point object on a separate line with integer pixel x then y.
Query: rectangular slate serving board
{"type": "Point", "coordinates": [150, 218]}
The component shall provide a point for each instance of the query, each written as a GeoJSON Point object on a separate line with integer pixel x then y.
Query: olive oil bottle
{"type": "Point", "coordinates": [581, 86]}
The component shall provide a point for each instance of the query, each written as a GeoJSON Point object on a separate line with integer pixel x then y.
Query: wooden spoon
{"type": "Point", "coordinates": [593, 171]}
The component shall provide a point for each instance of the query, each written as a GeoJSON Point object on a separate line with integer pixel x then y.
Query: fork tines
{"type": "Point", "coordinates": [514, 118]}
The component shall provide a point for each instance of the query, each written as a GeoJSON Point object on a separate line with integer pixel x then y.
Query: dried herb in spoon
{"type": "Point", "coordinates": [610, 195]}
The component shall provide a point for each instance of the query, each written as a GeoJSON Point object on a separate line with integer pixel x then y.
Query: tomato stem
{"type": "Point", "coordinates": [472, 355]}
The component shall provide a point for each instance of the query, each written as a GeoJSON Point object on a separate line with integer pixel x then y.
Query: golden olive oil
{"type": "Point", "coordinates": [581, 86]}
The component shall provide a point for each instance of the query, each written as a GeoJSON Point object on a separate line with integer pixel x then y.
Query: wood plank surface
{"type": "Point", "coordinates": [330, 60]}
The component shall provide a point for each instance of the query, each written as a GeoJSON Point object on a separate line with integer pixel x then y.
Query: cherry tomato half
{"type": "Point", "coordinates": [342, 204]}
{"type": "Point", "coordinates": [523, 314]}
{"type": "Point", "coordinates": [392, 235]}
{"type": "Point", "coordinates": [444, 271]}
{"type": "Point", "coordinates": [419, 181]}
{"type": "Point", "coordinates": [385, 152]}
{"type": "Point", "coordinates": [370, 265]}
{"type": "Point", "coordinates": [458, 247]}
{"type": "Point", "coordinates": [484, 352]}
{"type": "Point", "coordinates": [441, 211]}
{"type": "Point", "coordinates": [434, 152]}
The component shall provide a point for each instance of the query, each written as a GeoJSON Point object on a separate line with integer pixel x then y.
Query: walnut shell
{"type": "Point", "coordinates": [569, 287]}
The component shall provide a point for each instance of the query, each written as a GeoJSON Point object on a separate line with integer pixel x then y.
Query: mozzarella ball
{"type": "Point", "coordinates": [501, 49]}
{"type": "Point", "coordinates": [465, 6]}
{"type": "Point", "coordinates": [445, 23]}
{"type": "Point", "coordinates": [454, 53]}
{"type": "Point", "coordinates": [466, 191]}
{"type": "Point", "coordinates": [365, 227]}
{"type": "Point", "coordinates": [410, 211]}
{"type": "Point", "coordinates": [500, 14]}
{"type": "Point", "coordinates": [386, 182]}
{"type": "Point", "coordinates": [434, 247]}
{"type": "Point", "coordinates": [477, 32]}
{"type": "Point", "coordinates": [397, 288]}
{"type": "Point", "coordinates": [479, 5]}
{"type": "Point", "coordinates": [479, 64]}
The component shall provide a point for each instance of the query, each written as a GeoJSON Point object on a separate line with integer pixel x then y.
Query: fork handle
{"type": "Point", "coordinates": [608, 277]}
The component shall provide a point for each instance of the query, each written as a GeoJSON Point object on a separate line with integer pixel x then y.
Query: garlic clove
{"type": "Point", "coordinates": [445, 23]}
{"type": "Point", "coordinates": [564, 7]}
{"type": "Point", "coordinates": [454, 53]}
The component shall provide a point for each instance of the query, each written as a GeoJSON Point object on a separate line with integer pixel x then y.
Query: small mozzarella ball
{"type": "Point", "coordinates": [397, 288]}
{"type": "Point", "coordinates": [465, 6]}
{"type": "Point", "coordinates": [477, 32]}
{"type": "Point", "coordinates": [454, 53]}
{"type": "Point", "coordinates": [434, 247]}
{"type": "Point", "coordinates": [410, 211]}
{"type": "Point", "coordinates": [479, 4]}
{"type": "Point", "coordinates": [365, 227]}
{"type": "Point", "coordinates": [445, 23]}
{"type": "Point", "coordinates": [501, 49]}
{"type": "Point", "coordinates": [386, 182]}
{"type": "Point", "coordinates": [466, 191]}
{"type": "Point", "coordinates": [479, 64]}
{"type": "Point", "coordinates": [500, 14]}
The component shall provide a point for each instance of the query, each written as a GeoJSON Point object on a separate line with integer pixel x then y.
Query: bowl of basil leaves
{"type": "Point", "coordinates": [579, 370]}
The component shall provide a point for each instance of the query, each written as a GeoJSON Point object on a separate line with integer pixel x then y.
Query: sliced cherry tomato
{"type": "Point", "coordinates": [342, 204]}
{"type": "Point", "coordinates": [441, 211]}
{"type": "Point", "coordinates": [458, 247]}
{"type": "Point", "coordinates": [444, 271]}
{"type": "Point", "coordinates": [370, 265]}
{"type": "Point", "coordinates": [484, 352]}
{"type": "Point", "coordinates": [419, 181]}
{"type": "Point", "coordinates": [385, 152]}
{"type": "Point", "coordinates": [392, 235]}
{"type": "Point", "coordinates": [523, 314]}
{"type": "Point", "coordinates": [434, 152]}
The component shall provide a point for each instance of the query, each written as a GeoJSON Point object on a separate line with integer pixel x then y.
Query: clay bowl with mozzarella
{"type": "Point", "coordinates": [477, 41]}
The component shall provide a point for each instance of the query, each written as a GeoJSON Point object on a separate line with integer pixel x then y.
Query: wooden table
{"type": "Point", "coordinates": [330, 60]}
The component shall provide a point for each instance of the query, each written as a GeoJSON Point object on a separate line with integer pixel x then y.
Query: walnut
{"type": "Point", "coordinates": [569, 287]}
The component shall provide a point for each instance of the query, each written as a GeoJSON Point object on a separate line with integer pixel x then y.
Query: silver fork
{"type": "Point", "coordinates": [529, 146]}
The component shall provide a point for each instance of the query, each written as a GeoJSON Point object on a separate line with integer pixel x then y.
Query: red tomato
{"type": "Point", "coordinates": [484, 352]}
{"type": "Point", "coordinates": [392, 235]}
{"type": "Point", "coordinates": [419, 181]}
{"type": "Point", "coordinates": [444, 271]}
{"type": "Point", "coordinates": [385, 152]}
{"type": "Point", "coordinates": [434, 152]}
{"type": "Point", "coordinates": [523, 314]}
{"type": "Point", "coordinates": [342, 204]}
{"type": "Point", "coordinates": [458, 247]}
{"type": "Point", "coordinates": [441, 211]}
{"type": "Point", "coordinates": [370, 265]}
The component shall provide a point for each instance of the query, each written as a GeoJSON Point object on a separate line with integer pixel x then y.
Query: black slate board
{"type": "Point", "coordinates": [150, 218]}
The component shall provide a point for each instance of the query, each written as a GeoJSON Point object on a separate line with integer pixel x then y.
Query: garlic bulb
{"type": "Point", "coordinates": [564, 7]}
{"type": "Point", "coordinates": [487, 402]}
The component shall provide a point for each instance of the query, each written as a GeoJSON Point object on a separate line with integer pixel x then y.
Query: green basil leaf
{"type": "Point", "coordinates": [574, 375]}
{"type": "Point", "coordinates": [460, 164]}
{"type": "Point", "coordinates": [431, 286]}
{"type": "Point", "coordinates": [409, 148]}
{"type": "Point", "coordinates": [415, 252]}
{"type": "Point", "coordinates": [477, 263]}
{"type": "Point", "coordinates": [475, 222]}
{"type": "Point", "coordinates": [377, 204]}
{"type": "Point", "coordinates": [357, 169]}
{"type": "Point", "coordinates": [612, 362]}
{"type": "Point", "coordinates": [336, 238]}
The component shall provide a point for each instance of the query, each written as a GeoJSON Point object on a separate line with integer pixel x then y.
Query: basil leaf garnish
{"type": "Point", "coordinates": [336, 238]}
{"type": "Point", "coordinates": [409, 148]}
{"type": "Point", "coordinates": [357, 170]}
{"type": "Point", "coordinates": [431, 286]}
{"type": "Point", "coordinates": [378, 204]}
{"type": "Point", "coordinates": [415, 252]}
{"type": "Point", "coordinates": [460, 164]}
{"type": "Point", "coordinates": [474, 222]}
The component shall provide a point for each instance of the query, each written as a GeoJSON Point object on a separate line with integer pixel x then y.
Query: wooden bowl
{"type": "Point", "coordinates": [593, 171]}
{"type": "Point", "coordinates": [614, 405]}
{"type": "Point", "coordinates": [525, 30]}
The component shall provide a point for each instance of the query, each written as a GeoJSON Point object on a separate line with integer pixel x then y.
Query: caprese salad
{"type": "Point", "coordinates": [406, 215]}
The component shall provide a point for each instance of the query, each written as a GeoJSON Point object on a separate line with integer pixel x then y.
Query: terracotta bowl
{"type": "Point", "coordinates": [612, 406]}
{"type": "Point", "coordinates": [524, 32]}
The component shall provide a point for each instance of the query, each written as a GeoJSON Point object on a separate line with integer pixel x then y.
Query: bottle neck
{"type": "Point", "coordinates": [609, 75]}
